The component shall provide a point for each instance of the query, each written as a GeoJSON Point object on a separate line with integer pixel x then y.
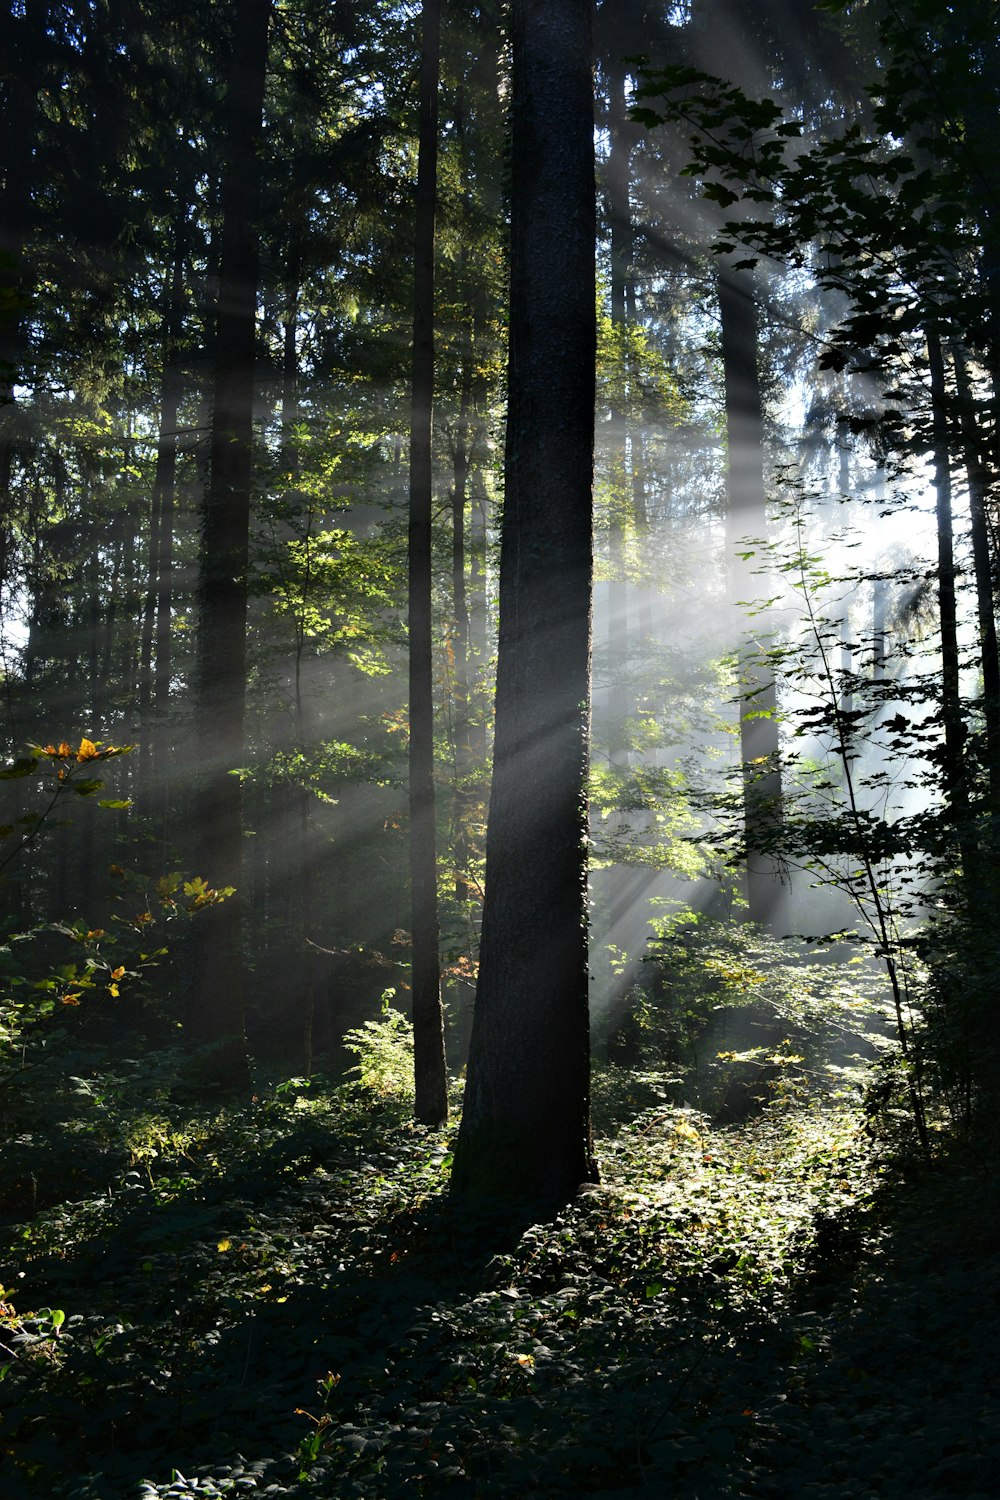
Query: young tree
{"type": "Point", "coordinates": [525, 1133]}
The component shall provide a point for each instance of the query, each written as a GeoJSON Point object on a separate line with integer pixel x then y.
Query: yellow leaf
{"type": "Point", "coordinates": [113, 991]}
{"type": "Point", "coordinates": [224, 1245]}
{"type": "Point", "coordinates": [118, 973]}
{"type": "Point", "coordinates": [87, 751]}
{"type": "Point", "coordinates": [526, 1361]}
{"type": "Point", "coordinates": [64, 749]}
{"type": "Point", "coordinates": [71, 999]}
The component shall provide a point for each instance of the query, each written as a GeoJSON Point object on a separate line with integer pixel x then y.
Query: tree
{"type": "Point", "coordinates": [22, 40]}
{"type": "Point", "coordinates": [217, 1014]}
{"type": "Point", "coordinates": [746, 517]}
{"type": "Point", "coordinates": [525, 1133]}
{"type": "Point", "coordinates": [431, 1075]}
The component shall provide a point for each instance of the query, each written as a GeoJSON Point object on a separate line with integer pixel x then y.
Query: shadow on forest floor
{"type": "Point", "coordinates": [298, 1309]}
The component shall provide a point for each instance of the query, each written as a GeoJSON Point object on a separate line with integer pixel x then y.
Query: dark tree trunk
{"type": "Point", "coordinates": [217, 1013]}
{"type": "Point", "coordinates": [430, 1072]}
{"type": "Point", "coordinates": [460, 632]}
{"type": "Point", "coordinates": [22, 42]}
{"type": "Point", "coordinates": [746, 517]}
{"type": "Point", "coordinates": [290, 372]}
{"type": "Point", "coordinates": [953, 763]}
{"type": "Point", "coordinates": [154, 682]}
{"type": "Point", "coordinates": [977, 472]}
{"type": "Point", "coordinates": [621, 489]}
{"type": "Point", "coordinates": [525, 1133]}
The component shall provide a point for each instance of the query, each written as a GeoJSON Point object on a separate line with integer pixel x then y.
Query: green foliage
{"type": "Point", "coordinates": [741, 1019]}
{"type": "Point", "coordinates": [67, 990]}
{"type": "Point", "coordinates": [884, 222]}
{"type": "Point", "coordinates": [642, 815]}
{"type": "Point", "coordinates": [384, 1050]}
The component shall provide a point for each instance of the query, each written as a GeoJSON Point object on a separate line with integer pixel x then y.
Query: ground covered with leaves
{"type": "Point", "coordinates": [280, 1300]}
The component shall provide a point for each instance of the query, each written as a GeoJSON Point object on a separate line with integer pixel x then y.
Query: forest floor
{"type": "Point", "coordinates": [280, 1300]}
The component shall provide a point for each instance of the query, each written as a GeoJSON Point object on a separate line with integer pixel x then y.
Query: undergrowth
{"type": "Point", "coordinates": [279, 1298]}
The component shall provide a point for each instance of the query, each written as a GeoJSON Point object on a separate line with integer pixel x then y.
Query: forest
{"type": "Point", "coordinates": [500, 770]}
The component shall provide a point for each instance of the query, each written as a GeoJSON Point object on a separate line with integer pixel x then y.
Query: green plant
{"type": "Point", "coordinates": [384, 1049]}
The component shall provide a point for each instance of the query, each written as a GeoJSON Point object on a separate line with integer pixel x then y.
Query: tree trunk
{"type": "Point", "coordinates": [460, 634]}
{"type": "Point", "coordinates": [746, 517]}
{"type": "Point", "coordinates": [621, 490]}
{"type": "Point", "coordinates": [154, 682]}
{"type": "Point", "coordinates": [956, 789]}
{"type": "Point", "coordinates": [430, 1071]}
{"type": "Point", "coordinates": [525, 1133]}
{"type": "Point", "coordinates": [977, 472]}
{"type": "Point", "coordinates": [22, 40]}
{"type": "Point", "coordinates": [217, 1014]}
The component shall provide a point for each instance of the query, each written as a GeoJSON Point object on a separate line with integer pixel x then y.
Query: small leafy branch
{"type": "Point", "coordinates": [62, 772]}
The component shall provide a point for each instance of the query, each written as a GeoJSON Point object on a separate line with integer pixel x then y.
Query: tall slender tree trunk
{"type": "Point", "coordinates": [217, 1014]}
{"type": "Point", "coordinates": [978, 475]}
{"type": "Point", "coordinates": [22, 41]}
{"type": "Point", "coordinates": [956, 787]}
{"type": "Point", "coordinates": [525, 1133]}
{"type": "Point", "coordinates": [646, 614]}
{"type": "Point", "coordinates": [460, 633]}
{"type": "Point", "coordinates": [155, 647]}
{"type": "Point", "coordinates": [293, 803]}
{"type": "Point", "coordinates": [746, 517]}
{"type": "Point", "coordinates": [621, 490]}
{"type": "Point", "coordinates": [431, 1076]}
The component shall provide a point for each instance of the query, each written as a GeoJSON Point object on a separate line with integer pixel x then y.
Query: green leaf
{"type": "Point", "coordinates": [23, 766]}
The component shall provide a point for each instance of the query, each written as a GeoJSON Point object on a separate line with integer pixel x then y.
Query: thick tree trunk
{"type": "Point", "coordinates": [217, 1014]}
{"type": "Point", "coordinates": [525, 1134]}
{"type": "Point", "coordinates": [746, 517]}
{"type": "Point", "coordinates": [431, 1076]}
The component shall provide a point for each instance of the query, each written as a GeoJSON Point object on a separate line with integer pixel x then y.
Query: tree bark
{"type": "Point", "coordinates": [525, 1134]}
{"type": "Point", "coordinates": [217, 1014]}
